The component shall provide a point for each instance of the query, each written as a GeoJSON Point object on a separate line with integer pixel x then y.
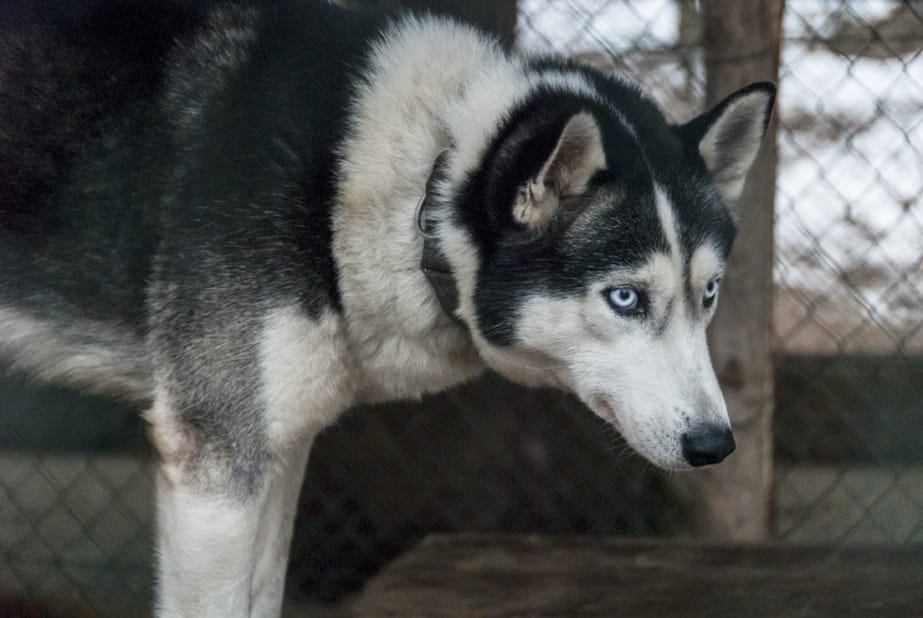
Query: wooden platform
{"type": "Point", "coordinates": [538, 576]}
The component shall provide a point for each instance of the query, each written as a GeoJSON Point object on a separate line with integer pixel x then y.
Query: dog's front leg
{"type": "Point", "coordinates": [222, 547]}
{"type": "Point", "coordinates": [222, 556]}
{"type": "Point", "coordinates": [275, 532]}
{"type": "Point", "coordinates": [205, 550]}
{"type": "Point", "coordinates": [216, 502]}
{"type": "Point", "coordinates": [233, 433]}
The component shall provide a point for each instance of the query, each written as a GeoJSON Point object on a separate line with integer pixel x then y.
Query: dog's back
{"type": "Point", "coordinates": [77, 214]}
{"type": "Point", "coordinates": [104, 117]}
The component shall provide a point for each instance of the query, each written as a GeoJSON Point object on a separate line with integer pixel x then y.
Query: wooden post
{"type": "Point", "coordinates": [734, 499]}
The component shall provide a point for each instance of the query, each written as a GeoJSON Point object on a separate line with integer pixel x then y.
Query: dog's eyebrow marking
{"type": "Point", "coordinates": [668, 223]}
{"type": "Point", "coordinates": [704, 264]}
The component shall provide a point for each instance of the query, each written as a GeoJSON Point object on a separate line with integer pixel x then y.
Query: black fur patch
{"type": "Point", "coordinates": [189, 231]}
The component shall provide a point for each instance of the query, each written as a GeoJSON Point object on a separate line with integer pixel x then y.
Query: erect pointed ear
{"type": "Point", "coordinates": [728, 136]}
{"type": "Point", "coordinates": [577, 155]}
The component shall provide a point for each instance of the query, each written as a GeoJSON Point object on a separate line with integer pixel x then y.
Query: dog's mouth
{"type": "Point", "coordinates": [602, 408]}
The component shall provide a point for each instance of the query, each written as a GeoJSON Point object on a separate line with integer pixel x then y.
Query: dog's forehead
{"type": "Point", "coordinates": [698, 238]}
{"type": "Point", "coordinates": [699, 215]}
{"type": "Point", "coordinates": [622, 228]}
{"type": "Point", "coordinates": [618, 228]}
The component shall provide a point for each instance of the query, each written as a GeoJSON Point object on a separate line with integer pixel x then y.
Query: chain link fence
{"type": "Point", "coordinates": [848, 324]}
{"type": "Point", "coordinates": [75, 510]}
{"type": "Point", "coordinates": [849, 272]}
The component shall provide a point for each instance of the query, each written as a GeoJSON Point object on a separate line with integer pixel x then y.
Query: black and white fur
{"type": "Point", "coordinates": [213, 215]}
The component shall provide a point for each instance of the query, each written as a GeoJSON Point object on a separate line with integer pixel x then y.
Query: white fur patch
{"type": "Point", "coordinates": [400, 341]}
{"type": "Point", "coordinates": [704, 265]}
{"type": "Point", "coordinates": [670, 230]}
{"type": "Point", "coordinates": [105, 358]}
{"type": "Point", "coordinates": [493, 90]}
{"type": "Point", "coordinates": [306, 375]}
{"type": "Point", "coordinates": [205, 552]}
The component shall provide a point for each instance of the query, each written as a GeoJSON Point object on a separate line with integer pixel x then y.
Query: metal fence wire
{"type": "Point", "coordinates": [75, 511]}
{"type": "Point", "coordinates": [848, 324]}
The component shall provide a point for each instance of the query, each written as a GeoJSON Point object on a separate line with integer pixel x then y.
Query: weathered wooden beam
{"type": "Point", "coordinates": [733, 500]}
{"type": "Point", "coordinates": [494, 575]}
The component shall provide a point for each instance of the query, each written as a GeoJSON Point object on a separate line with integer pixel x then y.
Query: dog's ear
{"type": "Point", "coordinates": [728, 136]}
{"type": "Point", "coordinates": [576, 156]}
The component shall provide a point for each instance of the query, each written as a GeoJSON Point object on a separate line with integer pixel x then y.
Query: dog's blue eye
{"type": "Point", "coordinates": [711, 290]}
{"type": "Point", "coordinates": [624, 300]}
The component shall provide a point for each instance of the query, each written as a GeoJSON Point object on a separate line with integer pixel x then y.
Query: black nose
{"type": "Point", "coordinates": [708, 445]}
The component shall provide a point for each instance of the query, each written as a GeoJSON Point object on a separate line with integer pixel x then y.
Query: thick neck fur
{"type": "Point", "coordinates": [400, 338]}
{"type": "Point", "coordinates": [434, 85]}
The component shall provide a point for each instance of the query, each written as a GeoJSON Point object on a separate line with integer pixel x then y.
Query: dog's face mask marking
{"type": "Point", "coordinates": [608, 268]}
{"type": "Point", "coordinates": [632, 346]}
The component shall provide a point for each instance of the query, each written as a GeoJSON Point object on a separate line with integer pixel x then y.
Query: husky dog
{"type": "Point", "coordinates": [250, 220]}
